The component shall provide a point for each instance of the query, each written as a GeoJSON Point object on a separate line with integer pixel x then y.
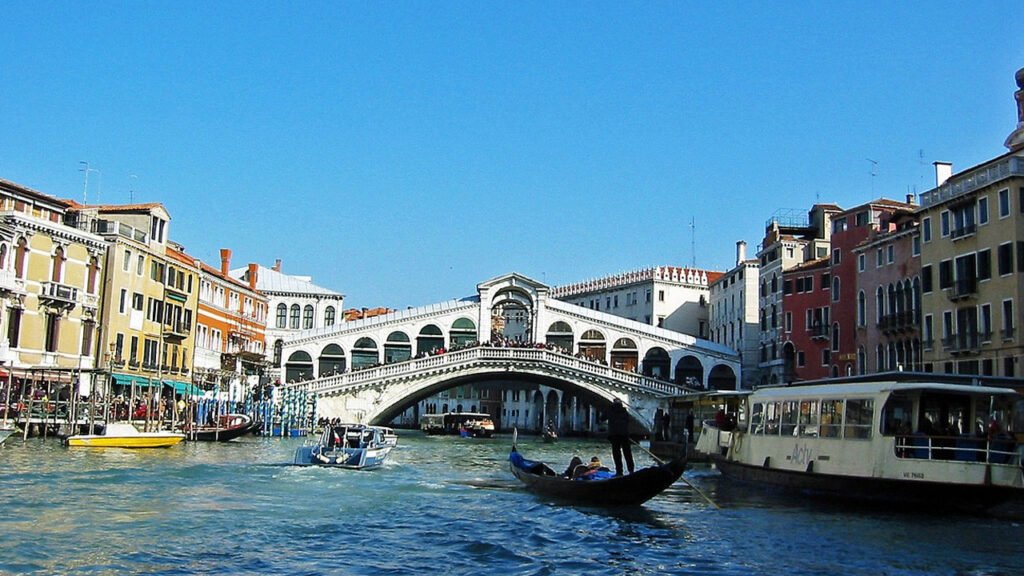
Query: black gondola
{"type": "Point", "coordinates": [228, 427]}
{"type": "Point", "coordinates": [629, 490]}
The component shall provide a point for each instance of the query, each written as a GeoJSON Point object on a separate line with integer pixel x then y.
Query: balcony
{"type": "Point", "coordinates": [9, 282]}
{"type": "Point", "coordinates": [818, 332]}
{"type": "Point", "coordinates": [962, 231]}
{"type": "Point", "coordinates": [967, 342]}
{"type": "Point", "coordinates": [962, 289]}
{"type": "Point", "coordinates": [115, 228]}
{"type": "Point", "coordinates": [907, 321]}
{"type": "Point", "coordinates": [176, 331]}
{"type": "Point", "coordinates": [1008, 333]}
{"type": "Point", "coordinates": [59, 295]}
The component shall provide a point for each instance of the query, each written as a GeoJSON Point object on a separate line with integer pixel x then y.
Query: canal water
{"type": "Point", "coordinates": [440, 505]}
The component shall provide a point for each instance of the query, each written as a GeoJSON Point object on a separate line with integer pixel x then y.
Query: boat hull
{"type": "Point", "coordinates": [349, 458]}
{"type": "Point", "coordinates": [629, 490]}
{"type": "Point", "coordinates": [5, 433]}
{"type": "Point", "coordinates": [140, 441]}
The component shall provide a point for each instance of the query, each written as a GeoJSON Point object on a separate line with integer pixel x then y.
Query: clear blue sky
{"type": "Point", "coordinates": [402, 152]}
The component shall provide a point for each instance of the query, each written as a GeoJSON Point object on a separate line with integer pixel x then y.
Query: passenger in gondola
{"type": "Point", "coordinates": [571, 470]}
{"type": "Point", "coordinates": [591, 471]}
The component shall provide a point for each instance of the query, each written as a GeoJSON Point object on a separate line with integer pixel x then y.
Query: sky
{"type": "Point", "coordinates": [403, 152]}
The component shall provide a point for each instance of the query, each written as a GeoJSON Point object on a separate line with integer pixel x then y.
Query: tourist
{"type": "Point", "coordinates": [618, 435]}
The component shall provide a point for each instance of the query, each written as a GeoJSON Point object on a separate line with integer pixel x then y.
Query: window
{"type": "Point", "coordinates": [835, 337]}
{"type": "Point", "coordinates": [826, 357]}
{"type": "Point", "coordinates": [859, 418]}
{"type": "Point", "coordinates": [787, 286]}
{"type": "Point", "coordinates": [1004, 203]}
{"type": "Point", "coordinates": [295, 311]}
{"type": "Point", "coordinates": [329, 316]}
{"type": "Point", "coordinates": [1005, 259]}
{"type": "Point", "coordinates": [140, 265]}
{"type": "Point", "coordinates": [915, 246]}
{"type": "Point", "coordinates": [862, 219]}
{"type": "Point", "coordinates": [825, 281]}
{"type": "Point", "coordinates": [983, 210]}
{"type": "Point", "coordinates": [837, 256]}
{"type": "Point", "coordinates": [926, 229]}
{"type": "Point", "coordinates": [52, 332]}
{"type": "Point", "coordinates": [1008, 319]}
{"type": "Point", "coordinates": [890, 253]}
{"type": "Point", "coordinates": [860, 262]}
{"type": "Point", "coordinates": [122, 305]}
{"type": "Point", "coordinates": [862, 305]}
{"type": "Point", "coordinates": [127, 260]}
{"type": "Point", "coordinates": [945, 274]}
{"type": "Point", "coordinates": [282, 316]}
{"type": "Point", "coordinates": [985, 264]}
{"type": "Point", "coordinates": [985, 322]}
{"type": "Point", "coordinates": [789, 321]}
{"type": "Point", "coordinates": [661, 295]}
{"type": "Point", "coordinates": [831, 418]}
{"type": "Point", "coordinates": [137, 301]}
{"type": "Point", "coordinates": [944, 224]}
{"type": "Point", "coordinates": [307, 317]}
{"type": "Point", "coordinates": [928, 331]}
{"type": "Point", "coordinates": [835, 289]}
{"type": "Point", "coordinates": [878, 258]}
{"type": "Point", "coordinates": [801, 360]}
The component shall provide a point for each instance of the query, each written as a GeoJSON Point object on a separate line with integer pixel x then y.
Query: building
{"type": "Point", "coordinates": [296, 305]}
{"type": "Point", "coordinates": [791, 238]}
{"type": "Point", "coordinates": [972, 254]}
{"type": "Point", "coordinates": [733, 313]}
{"type": "Point", "coordinates": [50, 287]}
{"type": "Point", "coordinates": [231, 326]}
{"type": "Point", "coordinates": [806, 321]}
{"type": "Point", "coordinates": [668, 297]}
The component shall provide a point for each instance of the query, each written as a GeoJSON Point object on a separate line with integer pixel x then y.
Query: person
{"type": "Point", "coordinates": [570, 472]}
{"type": "Point", "coordinates": [590, 471]}
{"type": "Point", "coordinates": [618, 435]}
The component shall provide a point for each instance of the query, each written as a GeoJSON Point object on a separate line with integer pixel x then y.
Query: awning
{"type": "Point", "coordinates": [184, 388]}
{"type": "Point", "coordinates": [132, 380]}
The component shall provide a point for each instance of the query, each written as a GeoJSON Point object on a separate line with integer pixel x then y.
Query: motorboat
{"type": "Point", "coordinates": [390, 437]}
{"type": "Point", "coordinates": [928, 443]}
{"type": "Point", "coordinates": [354, 446]}
{"type": "Point", "coordinates": [601, 489]}
{"type": "Point", "coordinates": [226, 428]}
{"type": "Point", "coordinates": [125, 435]}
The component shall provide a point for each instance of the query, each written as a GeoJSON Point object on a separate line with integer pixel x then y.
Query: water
{"type": "Point", "coordinates": [440, 505]}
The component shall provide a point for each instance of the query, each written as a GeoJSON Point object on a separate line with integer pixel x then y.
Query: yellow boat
{"type": "Point", "coordinates": [121, 435]}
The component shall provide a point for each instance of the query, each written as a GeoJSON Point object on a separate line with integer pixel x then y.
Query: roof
{"type": "Point", "coordinates": [15, 187]}
{"type": "Point", "coordinates": [116, 207]}
{"type": "Point", "coordinates": [269, 280]}
{"type": "Point", "coordinates": [809, 265]}
{"type": "Point", "coordinates": [866, 388]}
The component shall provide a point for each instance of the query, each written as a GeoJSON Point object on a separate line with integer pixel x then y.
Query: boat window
{"type": "Point", "coordinates": [949, 414]}
{"type": "Point", "coordinates": [809, 418]}
{"type": "Point", "coordinates": [757, 418]}
{"type": "Point", "coordinates": [790, 411]}
{"type": "Point", "coordinates": [771, 416]}
{"type": "Point", "coordinates": [859, 414]}
{"type": "Point", "coordinates": [741, 414]}
{"type": "Point", "coordinates": [831, 418]}
{"type": "Point", "coordinates": [896, 415]}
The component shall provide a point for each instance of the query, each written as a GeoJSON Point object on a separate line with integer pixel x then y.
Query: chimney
{"type": "Point", "coordinates": [741, 251]}
{"type": "Point", "coordinates": [943, 170]}
{"type": "Point", "coordinates": [254, 271]}
{"type": "Point", "coordinates": [277, 265]}
{"type": "Point", "coordinates": [225, 261]}
{"type": "Point", "coordinates": [910, 198]}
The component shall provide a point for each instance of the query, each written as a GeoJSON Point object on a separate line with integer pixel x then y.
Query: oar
{"type": "Point", "coordinates": [681, 477]}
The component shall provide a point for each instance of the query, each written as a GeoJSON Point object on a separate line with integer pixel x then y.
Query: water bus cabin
{"type": "Point", "coordinates": [940, 445]}
{"type": "Point", "coordinates": [467, 424]}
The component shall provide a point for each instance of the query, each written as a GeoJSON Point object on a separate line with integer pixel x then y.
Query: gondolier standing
{"type": "Point", "coordinates": [618, 435]}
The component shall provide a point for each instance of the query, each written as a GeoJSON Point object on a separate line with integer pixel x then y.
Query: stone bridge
{"type": "Point", "coordinates": [371, 370]}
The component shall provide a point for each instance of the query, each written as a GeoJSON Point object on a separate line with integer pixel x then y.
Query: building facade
{"type": "Point", "coordinates": [807, 321]}
{"type": "Point", "coordinates": [733, 313]}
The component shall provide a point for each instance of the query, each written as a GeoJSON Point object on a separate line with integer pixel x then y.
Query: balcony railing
{"type": "Point", "coordinates": [60, 294]}
{"type": "Point", "coordinates": [962, 342]}
{"type": "Point", "coordinates": [1008, 333]}
{"type": "Point", "coordinates": [962, 231]}
{"type": "Point", "coordinates": [177, 330]}
{"type": "Point", "coordinates": [963, 288]}
{"type": "Point", "coordinates": [900, 322]}
{"type": "Point", "coordinates": [112, 227]}
{"type": "Point", "coordinates": [9, 282]}
{"type": "Point", "coordinates": [819, 331]}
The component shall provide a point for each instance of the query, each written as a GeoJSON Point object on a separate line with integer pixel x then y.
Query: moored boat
{"type": "Point", "coordinates": [124, 435]}
{"type": "Point", "coordinates": [932, 444]}
{"type": "Point", "coordinates": [227, 428]}
{"type": "Point", "coordinates": [352, 446]}
{"type": "Point", "coordinates": [605, 489]}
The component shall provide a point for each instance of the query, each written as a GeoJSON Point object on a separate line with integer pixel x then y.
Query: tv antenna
{"type": "Point", "coordinates": [85, 191]}
{"type": "Point", "coordinates": [131, 190]}
{"type": "Point", "coordinates": [874, 172]}
{"type": "Point", "coordinates": [693, 242]}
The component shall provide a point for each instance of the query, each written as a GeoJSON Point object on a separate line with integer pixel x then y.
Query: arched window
{"type": "Point", "coordinates": [19, 258]}
{"type": "Point", "coordinates": [58, 264]}
{"type": "Point", "coordinates": [329, 316]}
{"type": "Point", "coordinates": [3, 256]}
{"type": "Point", "coordinates": [278, 348]}
{"type": "Point", "coordinates": [861, 309]}
{"type": "Point", "coordinates": [295, 311]}
{"type": "Point", "coordinates": [879, 304]}
{"type": "Point", "coordinates": [282, 316]}
{"type": "Point", "coordinates": [835, 337]}
{"type": "Point", "coordinates": [835, 289]}
{"type": "Point", "coordinates": [94, 268]}
{"type": "Point", "coordinates": [307, 317]}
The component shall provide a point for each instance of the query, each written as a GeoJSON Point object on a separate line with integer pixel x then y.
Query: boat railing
{"type": "Point", "coordinates": [957, 448]}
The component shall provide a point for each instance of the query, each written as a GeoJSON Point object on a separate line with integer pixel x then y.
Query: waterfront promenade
{"type": "Point", "coordinates": [439, 505]}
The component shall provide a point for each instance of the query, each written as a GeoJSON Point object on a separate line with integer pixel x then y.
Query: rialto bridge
{"type": "Point", "coordinates": [371, 370]}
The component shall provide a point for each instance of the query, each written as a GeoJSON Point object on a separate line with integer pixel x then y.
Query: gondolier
{"type": "Point", "coordinates": [618, 435]}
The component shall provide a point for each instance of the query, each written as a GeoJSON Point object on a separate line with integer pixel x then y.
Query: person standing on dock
{"type": "Point", "coordinates": [618, 435]}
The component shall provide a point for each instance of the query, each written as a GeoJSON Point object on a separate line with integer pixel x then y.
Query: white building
{"type": "Point", "coordinates": [295, 305]}
{"type": "Point", "coordinates": [733, 313]}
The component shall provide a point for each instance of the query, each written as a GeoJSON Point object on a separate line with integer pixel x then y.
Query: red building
{"type": "Point", "coordinates": [806, 350]}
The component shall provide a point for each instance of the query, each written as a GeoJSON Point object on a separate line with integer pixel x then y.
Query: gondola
{"type": "Point", "coordinates": [629, 490]}
{"type": "Point", "coordinates": [228, 427]}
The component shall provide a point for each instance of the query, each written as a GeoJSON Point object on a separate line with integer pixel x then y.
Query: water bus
{"type": "Point", "coordinates": [466, 424]}
{"type": "Point", "coordinates": [906, 442]}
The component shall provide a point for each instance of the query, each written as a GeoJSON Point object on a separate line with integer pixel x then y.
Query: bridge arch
{"type": "Point", "coordinates": [722, 377]}
{"type": "Point", "coordinates": [462, 332]}
{"type": "Point", "coordinates": [397, 347]}
{"type": "Point", "coordinates": [690, 371]}
{"type": "Point", "coordinates": [365, 353]}
{"type": "Point", "coordinates": [429, 339]}
{"type": "Point", "coordinates": [513, 312]}
{"type": "Point", "coordinates": [657, 363]}
{"type": "Point", "coordinates": [559, 335]}
{"type": "Point", "coordinates": [593, 345]}
{"type": "Point", "coordinates": [299, 366]}
{"type": "Point", "coordinates": [625, 355]}
{"type": "Point", "coordinates": [332, 360]}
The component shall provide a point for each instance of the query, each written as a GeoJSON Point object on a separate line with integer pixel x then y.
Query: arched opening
{"type": "Point", "coordinates": [535, 420]}
{"type": "Point", "coordinates": [657, 363]}
{"type": "Point", "coordinates": [722, 377]}
{"type": "Point", "coordinates": [624, 355]}
{"type": "Point", "coordinates": [299, 367]}
{"type": "Point", "coordinates": [364, 354]}
{"type": "Point", "coordinates": [560, 336]}
{"type": "Point", "coordinates": [593, 347]}
{"type": "Point", "coordinates": [512, 316]}
{"type": "Point", "coordinates": [463, 332]}
{"type": "Point", "coordinates": [551, 411]}
{"type": "Point", "coordinates": [278, 350]}
{"type": "Point", "coordinates": [690, 372]}
{"type": "Point", "coordinates": [397, 348]}
{"type": "Point", "coordinates": [430, 340]}
{"type": "Point", "coordinates": [789, 362]}
{"type": "Point", "coordinates": [332, 360]}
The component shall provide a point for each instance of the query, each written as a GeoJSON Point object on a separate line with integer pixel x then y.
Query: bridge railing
{"type": "Point", "coordinates": [371, 376]}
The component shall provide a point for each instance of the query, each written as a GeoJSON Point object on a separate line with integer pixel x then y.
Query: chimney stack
{"type": "Point", "coordinates": [943, 170]}
{"type": "Point", "coordinates": [225, 261]}
{"type": "Point", "coordinates": [741, 251]}
{"type": "Point", "coordinates": [254, 271]}
{"type": "Point", "coordinates": [277, 265]}
{"type": "Point", "coordinates": [910, 198]}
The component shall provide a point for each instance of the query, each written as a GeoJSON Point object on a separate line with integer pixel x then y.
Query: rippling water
{"type": "Point", "coordinates": [444, 505]}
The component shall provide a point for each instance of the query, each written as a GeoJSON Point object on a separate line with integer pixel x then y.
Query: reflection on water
{"type": "Point", "coordinates": [445, 505]}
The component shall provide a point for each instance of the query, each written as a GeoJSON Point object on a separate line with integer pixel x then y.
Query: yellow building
{"type": "Point", "coordinates": [49, 291]}
{"type": "Point", "coordinates": [972, 263]}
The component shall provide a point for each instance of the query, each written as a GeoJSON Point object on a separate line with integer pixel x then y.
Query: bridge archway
{"type": "Point", "coordinates": [625, 355]}
{"type": "Point", "coordinates": [397, 348]}
{"type": "Point", "coordinates": [657, 363]}
{"type": "Point", "coordinates": [365, 353]}
{"type": "Point", "coordinates": [690, 371]}
{"type": "Point", "coordinates": [298, 367]}
{"type": "Point", "coordinates": [430, 338]}
{"type": "Point", "coordinates": [332, 360]}
{"type": "Point", "coordinates": [512, 315]}
{"type": "Point", "coordinates": [463, 332]}
{"type": "Point", "coordinates": [593, 345]}
{"type": "Point", "coordinates": [722, 377]}
{"type": "Point", "coordinates": [560, 336]}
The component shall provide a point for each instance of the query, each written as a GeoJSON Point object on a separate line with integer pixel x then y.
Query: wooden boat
{"type": "Point", "coordinates": [227, 428]}
{"type": "Point", "coordinates": [124, 435]}
{"type": "Point", "coordinates": [550, 436]}
{"type": "Point", "coordinates": [905, 443]}
{"type": "Point", "coordinates": [629, 490]}
{"type": "Point", "coordinates": [352, 446]}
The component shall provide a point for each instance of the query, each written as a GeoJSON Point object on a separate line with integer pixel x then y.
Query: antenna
{"type": "Point", "coordinates": [874, 166]}
{"type": "Point", "coordinates": [85, 190]}
{"type": "Point", "coordinates": [693, 242]}
{"type": "Point", "coordinates": [131, 190]}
